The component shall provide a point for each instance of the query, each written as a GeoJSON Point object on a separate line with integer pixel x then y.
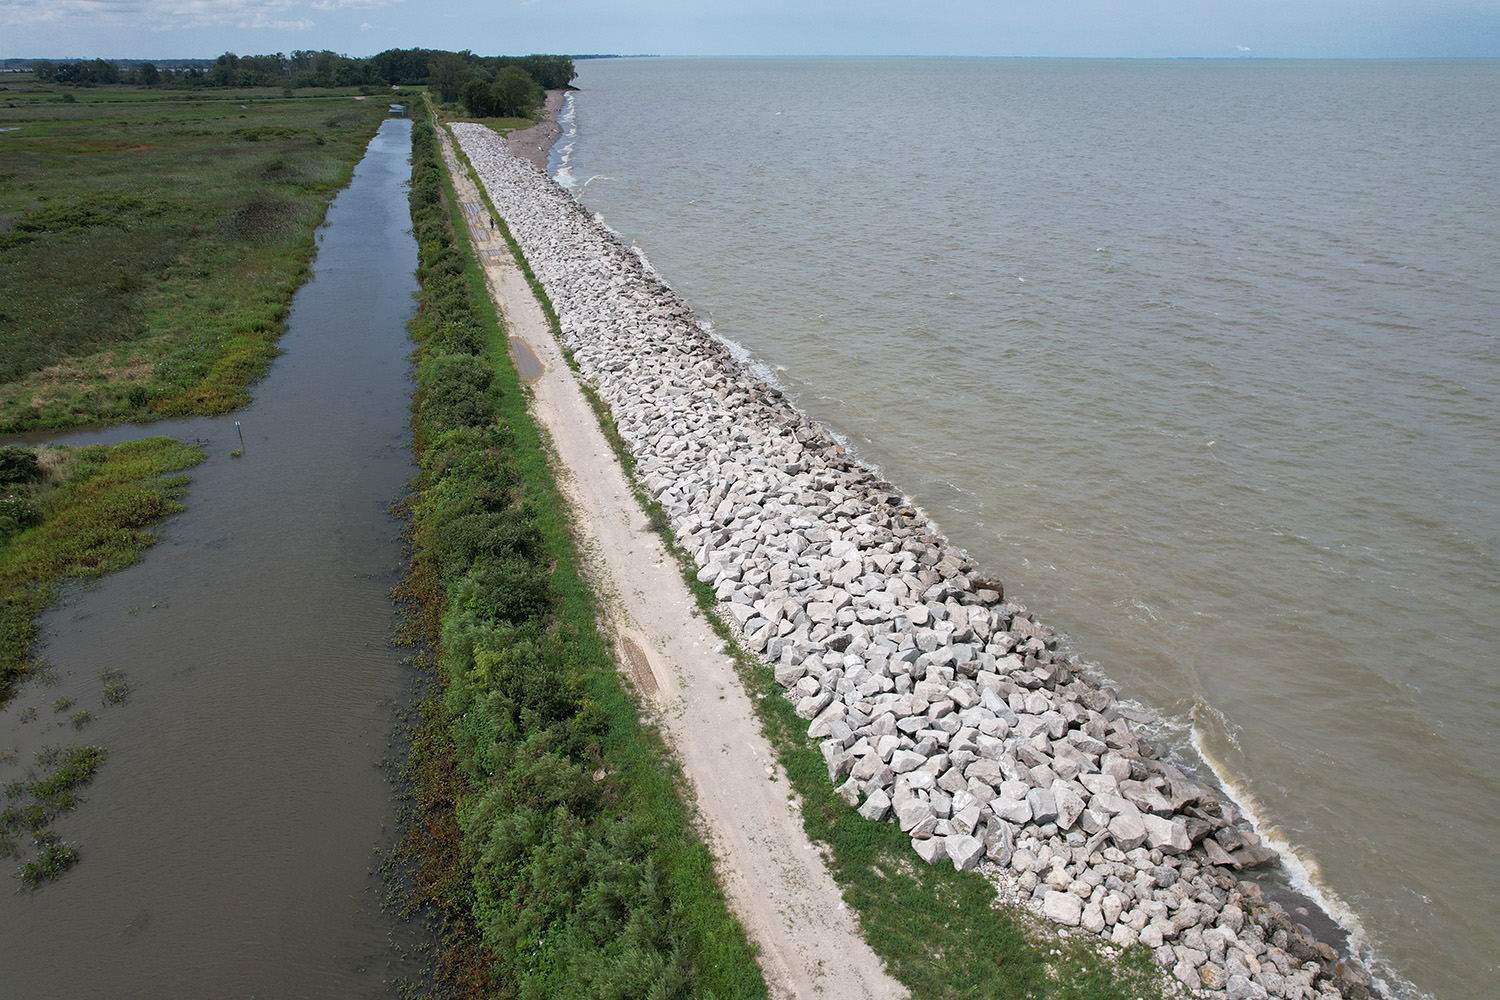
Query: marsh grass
{"type": "Point", "coordinates": [96, 507]}
{"type": "Point", "coordinates": [116, 690]}
{"type": "Point", "coordinates": [150, 243]}
{"type": "Point", "coordinates": [53, 858]}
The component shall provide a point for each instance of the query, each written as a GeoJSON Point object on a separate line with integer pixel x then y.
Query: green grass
{"type": "Point", "coordinates": [941, 932]}
{"type": "Point", "coordinates": [551, 837]}
{"type": "Point", "coordinates": [94, 511]}
{"type": "Point", "coordinates": [150, 243]}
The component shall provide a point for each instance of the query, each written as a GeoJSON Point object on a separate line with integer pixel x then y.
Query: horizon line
{"type": "Point", "coordinates": [1237, 57]}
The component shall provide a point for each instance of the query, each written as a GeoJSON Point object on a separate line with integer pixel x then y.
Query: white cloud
{"type": "Point", "coordinates": [164, 15]}
{"type": "Point", "coordinates": [22, 12]}
{"type": "Point", "coordinates": [352, 4]}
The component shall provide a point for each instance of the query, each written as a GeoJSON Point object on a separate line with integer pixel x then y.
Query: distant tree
{"type": "Point", "coordinates": [44, 71]}
{"type": "Point", "coordinates": [477, 99]}
{"type": "Point", "coordinates": [226, 71]}
{"type": "Point", "coordinates": [104, 71]}
{"type": "Point", "coordinates": [448, 71]}
{"type": "Point", "coordinates": [514, 94]}
{"type": "Point", "coordinates": [148, 74]}
{"type": "Point", "coordinates": [262, 71]}
{"type": "Point", "coordinates": [552, 72]}
{"type": "Point", "coordinates": [404, 67]}
{"type": "Point", "coordinates": [324, 65]}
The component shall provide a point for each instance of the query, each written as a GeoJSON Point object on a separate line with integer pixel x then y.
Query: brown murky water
{"type": "Point", "coordinates": [230, 840]}
{"type": "Point", "coordinates": [1199, 357]}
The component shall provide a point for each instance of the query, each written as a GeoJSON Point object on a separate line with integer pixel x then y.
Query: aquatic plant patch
{"type": "Point", "coordinates": [49, 789]}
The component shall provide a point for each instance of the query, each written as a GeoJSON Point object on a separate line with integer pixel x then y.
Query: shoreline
{"type": "Point", "coordinates": [534, 144]}
{"type": "Point", "coordinates": [866, 611]}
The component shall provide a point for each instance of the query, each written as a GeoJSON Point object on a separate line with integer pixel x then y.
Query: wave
{"type": "Point", "coordinates": [1300, 865]}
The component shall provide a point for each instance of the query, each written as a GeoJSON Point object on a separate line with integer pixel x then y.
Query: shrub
{"type": "Point", "coordinates": [456, 390]}
{"type": "Point", "coordinates": [18, 465]}
{"type": "Point", "coordinates": [508, 588]}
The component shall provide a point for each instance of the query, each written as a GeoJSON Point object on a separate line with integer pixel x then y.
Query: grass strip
{"type": "Point", "coordinates": [552, 837]}
{"type": "Point", "coordinates": [69, 513]}
{"type": "Point", "coordinates": [941, 932]}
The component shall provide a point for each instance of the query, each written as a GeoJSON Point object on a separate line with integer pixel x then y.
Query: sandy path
{"type": "Point", "coordinates": [777, 884]}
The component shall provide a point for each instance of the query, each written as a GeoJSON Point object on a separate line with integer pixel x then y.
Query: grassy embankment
{"type": "Point", "coordinates": [150, 242]}
{"type": "Point", "coordinates": [941, 932]}
{"type": "Point", "coordinates": [69, 513]}
{"type": "Point", "coordinates": [551, 835]}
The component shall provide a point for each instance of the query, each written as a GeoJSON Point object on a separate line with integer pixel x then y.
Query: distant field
{"type": "Point", "coordinates": [151, 240]}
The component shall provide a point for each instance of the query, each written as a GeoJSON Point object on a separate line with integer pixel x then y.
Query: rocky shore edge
{"type": "Point", "coordinates": [938, 703]}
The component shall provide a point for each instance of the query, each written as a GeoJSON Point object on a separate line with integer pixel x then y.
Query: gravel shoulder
{"type": "Point", "coordinates": [774, 877]}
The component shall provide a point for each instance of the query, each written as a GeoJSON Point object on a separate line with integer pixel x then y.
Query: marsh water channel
{"type": "Point", "coordinates": [230, 843]}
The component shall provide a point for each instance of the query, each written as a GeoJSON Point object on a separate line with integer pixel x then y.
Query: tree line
{"type": "Point", "coordinates": [487, 85]}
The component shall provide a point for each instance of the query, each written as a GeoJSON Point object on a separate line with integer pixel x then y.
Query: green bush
{"type": "Point", "coordinates": [508, 588]}
{"type": "Point", "coordinates": [18, 511]}
{"type": "Point", "coordinates": [18, 465]}
{"type": "Point", "coordinates": [456, 390]}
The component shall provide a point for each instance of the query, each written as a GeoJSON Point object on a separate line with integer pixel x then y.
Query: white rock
{"type": "Point", "coordinates": [1166, 835]}
{"type": "Point", "coordinates": [877, 804]}
{"type": "Point", "coordinates": [964, 851]}
{"type": "Point", "coordinates": [931, 850]}
{"type": "Point", "coordinates": [1063, 907]}
{"type": "Point", "coordinates": [1240, 988]}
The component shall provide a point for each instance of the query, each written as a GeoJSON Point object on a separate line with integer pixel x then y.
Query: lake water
{"type": "Point", "coordinates": [229, 844]}
{"type": "Point", "coordinates": [1200, 358]}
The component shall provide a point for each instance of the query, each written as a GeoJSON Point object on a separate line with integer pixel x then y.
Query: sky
{"type": "Point", "coordinates": [157, 29]}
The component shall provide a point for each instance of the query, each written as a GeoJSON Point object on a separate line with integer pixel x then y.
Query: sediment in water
{"type": "Point", "coordinates": [938, 703]}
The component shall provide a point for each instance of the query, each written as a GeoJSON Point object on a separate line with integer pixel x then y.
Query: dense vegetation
{"type": "Point", "coordinates": [446, 72]}
{"type": "Point", "coordinates": [512, 94]}
{"type": "Point", "coordinates": [551, 834]}
{"type": "Point", "coordinates": [150, 243]}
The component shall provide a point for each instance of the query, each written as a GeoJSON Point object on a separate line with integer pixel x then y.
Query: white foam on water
{"type": "Point", "coordinates": [568, 120]}
{"type": "Point", "coordinates": [1305, 874]}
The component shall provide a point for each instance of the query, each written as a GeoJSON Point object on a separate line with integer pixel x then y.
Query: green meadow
{"type": "Point", "coordinates": [151, 240]}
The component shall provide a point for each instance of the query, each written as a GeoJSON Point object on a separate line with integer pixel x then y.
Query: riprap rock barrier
{"type": "Point", "coordinates": [938, 704]}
